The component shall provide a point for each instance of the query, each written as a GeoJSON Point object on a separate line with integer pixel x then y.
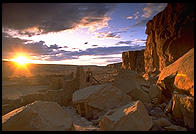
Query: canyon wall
{"type": "Point", "coordinates": [133, 60]}
{"type": "Point", "coordinates": [170, 35]}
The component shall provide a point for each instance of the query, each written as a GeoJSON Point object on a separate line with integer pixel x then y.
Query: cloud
{"type": "Point", "coordinates": [141, 22]}
{"type": "Point", "coordinates": [123, 42]}
{"type": "Point", "coordinates": [94, 23]}
{"type": "Point", "coordinates": [36, 18]}
{"type": "Point", "coordinates": [106, 50]}
{"type": "Point", "coordinates": [54, 52]}
{"type": "Point", "coordinates": [130, 17]}
{"type": "Point", "coordinates": [94, 45]}
{"type": "Point", "coordinates": [153, 8]}
{"type": "Point", "coordinates": [114, 60]}
{"type": "Point", "coordinates": [114, 35]}
{"type": "Point", "coordinates": [136, 15]}
{"type": "Point", "coordinates": [10, 46]}
{"type": "Point", "coordinates": [134, 42]}
{"type": "Point", "coordinates": [55, 46]}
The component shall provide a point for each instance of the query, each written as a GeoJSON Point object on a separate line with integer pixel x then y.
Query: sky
{"type": "Point", "coordinates": [75, 33]}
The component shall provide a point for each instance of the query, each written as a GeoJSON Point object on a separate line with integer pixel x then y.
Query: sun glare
{"type": "Point", "coordinates": [21, 60]}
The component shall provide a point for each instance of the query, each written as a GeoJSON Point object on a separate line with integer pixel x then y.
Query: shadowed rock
{"type": "Point", "coordinates": [133, 60]}
{"type": "Point", "coordinates": [170, 35]}
{"type": "Point", "coordinates": [94, 101]}
{"type": "Point", "coordinates": [37, 116]}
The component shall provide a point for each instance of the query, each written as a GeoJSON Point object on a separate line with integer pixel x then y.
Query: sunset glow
{"type": "Point", "coordinates": [91, 34]}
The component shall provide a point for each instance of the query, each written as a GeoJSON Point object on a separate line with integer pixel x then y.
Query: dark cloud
{"type": "Point", "coordinates": [134, 42]}
{"type": "Point", "coordinates": [12, 45]}
{"type": "Point", "coordinates": [51, 17]}
{"type": "Point", "coordinates": [65, 46]}
{"type": "Point", "coordinates": [124, 42]}
{"type": "Point", "coordinates": [55, 46]}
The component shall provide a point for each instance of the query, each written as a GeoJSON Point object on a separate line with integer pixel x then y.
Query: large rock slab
{"type": "Point", "coordinates": [133, 85]}
{"type": "Point", "coordinates": [131, 117]}
{"type": "Point", "coordinates": [182, 71]}
{"type": "Point", "coordinates": [170, 35]}
{"type": "Point", "coordinates": [94, 101]}
{"type": "Point", "coordinates": [37, 116]}
{"type": "Point", "coordinates": [133, 60]}
{"type": "Point", "coordinates": [183, 109]}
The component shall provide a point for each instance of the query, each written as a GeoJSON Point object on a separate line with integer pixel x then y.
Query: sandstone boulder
{"type": "Point", "coordinates": [170, 35]}
{"type": "Point", "coordinates": [37, 116]}
{"type": "Point", "coordinates": [133, 85]}
{"type": "Point", "coordinates": [183, 109]}
{"type": "Point", "coordinates": [133, 60]}
{"type": "Point", "coordinates": [179, 75]}
{"type": "Point", "coordinates": [131, 117]}
{"type": "Point", "coordinates": [93, 101]}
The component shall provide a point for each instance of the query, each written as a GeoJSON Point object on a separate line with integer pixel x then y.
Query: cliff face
{"type": "Point", "coordinates": [133, 60]}
{"type": "Point", "coordinates": [170, 35]}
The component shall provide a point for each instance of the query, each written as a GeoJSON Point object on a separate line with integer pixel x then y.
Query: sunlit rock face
{"type": "Point", "coordinates": [37, 116]}
{"type": "Point", "coordinates": [131, 117]}
{"type": "Point", "coordinates": [182, 73]}
{"type": "Point", "coordinates": [133, 60]}
{"type": "Point", "coordinates": [170, 35]}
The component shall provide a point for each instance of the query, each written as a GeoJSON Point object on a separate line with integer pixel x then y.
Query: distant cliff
{"type": "Point", "coordinates": [170, 35]}
{"type": "Point", "coordinates": [115, 65]}
{"type": "Point", "coordinates": [133, 60]}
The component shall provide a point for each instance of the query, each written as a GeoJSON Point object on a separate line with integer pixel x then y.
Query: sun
{"type": "Point", "coordinates": [21, 60]}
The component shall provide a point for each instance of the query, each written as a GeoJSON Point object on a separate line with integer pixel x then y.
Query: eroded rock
{"type": "Point", "coordinates": [37, 116]}
{"type": "Point", "coordinates": [183, 109]}
{"type": "Point", "coordinates": [170, 36]}
{"type": "Point", "coordinates": [133, 60]}
{"type": "Point", "coordinates": [131, 117]}
{"type": "Point", "coordinates": [93, 101]}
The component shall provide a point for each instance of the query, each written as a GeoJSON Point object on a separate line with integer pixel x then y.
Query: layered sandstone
{"type": "Point", "coordinates": [170, 35]}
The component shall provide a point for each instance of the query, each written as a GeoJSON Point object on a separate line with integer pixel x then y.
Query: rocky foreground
{"type": "Point", "coordinates": [156, 94]}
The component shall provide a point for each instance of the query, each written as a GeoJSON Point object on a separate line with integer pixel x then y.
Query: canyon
{"type": "Point", "coordinates": [150, 90]}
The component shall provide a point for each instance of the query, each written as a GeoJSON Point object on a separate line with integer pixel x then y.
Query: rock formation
{"type": "Point", "coordinates": [133, 85]}
{"type": "Point", "coordinates": [176, 83]}
{"type": "Point", "coordinates": [170, 35]}
{"type": "Point", "coordinates": [133, 60]}
{"type": "Point", "coordinates": [131, 117]}
{"type": "Point", "coordinates": [115, 65]}
{"type": "Point", "coordinates": [94, 101]}
{"type": "Point", "coordinates": [183, 109]}
{"type": "Point", "coordinates": [182, 73]}
{"type": "Point", "coordinates": [38, 116]}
